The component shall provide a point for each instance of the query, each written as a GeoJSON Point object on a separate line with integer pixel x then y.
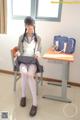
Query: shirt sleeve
{"type": "Point", "coordinates": [20, 46]}
{"type": "Point", "coordinates": [38, 47]}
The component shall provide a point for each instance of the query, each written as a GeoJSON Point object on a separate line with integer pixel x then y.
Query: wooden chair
{"type": "Point", "coordinates": [17, 74]}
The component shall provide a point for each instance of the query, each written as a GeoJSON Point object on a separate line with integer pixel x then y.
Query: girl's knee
{"type": "Point", "coordinates": [30, 75]}
{"type": "Point", "coordinates": [23, 71]}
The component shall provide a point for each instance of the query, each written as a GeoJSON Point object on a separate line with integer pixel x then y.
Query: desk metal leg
{"type": "Point", "coordinates": [59, 84]}
{"type": "Point", "coordinates": [63, 96]}
{"type": "Point", "coordinates": [64, 81]}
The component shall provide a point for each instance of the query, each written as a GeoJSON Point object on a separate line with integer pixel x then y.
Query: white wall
{"type": "Point", "coordinates": [6, 43]}
{"type": "Point", "coordinates": [69, 25]}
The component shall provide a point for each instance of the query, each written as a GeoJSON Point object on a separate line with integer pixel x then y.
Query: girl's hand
{"type": "Point", "coordinates": [17, 53]}
{"type": "Point", "coordinates": [37, 55]}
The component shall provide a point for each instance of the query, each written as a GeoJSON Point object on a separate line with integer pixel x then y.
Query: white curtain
{"type": "Point", "coordinates": [3, 16]}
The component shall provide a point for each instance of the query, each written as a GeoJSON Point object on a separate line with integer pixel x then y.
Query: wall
{"type": "Point", "coordinates": [69, 25]}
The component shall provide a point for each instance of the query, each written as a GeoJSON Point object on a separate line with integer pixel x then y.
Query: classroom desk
{"type": "Point", "coordinates": [64, 59]}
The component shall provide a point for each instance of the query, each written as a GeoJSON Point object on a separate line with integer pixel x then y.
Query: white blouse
{"type": "Point", "coordinates": [30, 47]}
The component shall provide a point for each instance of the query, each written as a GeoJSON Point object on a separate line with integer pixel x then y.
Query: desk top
{"type": "Point", "coordinates": [54, 55]}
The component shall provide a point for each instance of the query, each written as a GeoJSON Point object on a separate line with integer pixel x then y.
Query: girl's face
{"type": "Point", "coordinates": [30, 29]}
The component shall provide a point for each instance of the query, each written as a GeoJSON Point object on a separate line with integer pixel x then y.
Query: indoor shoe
{"type": "Point", "coordinates": [23, 102]}
{"type": "Point", "coordinates": [33, 111]}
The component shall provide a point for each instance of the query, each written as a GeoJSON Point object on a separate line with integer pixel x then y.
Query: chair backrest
{"type": "Point", "coordinates": [13, 54]}
{"type": "Point", "coordinates": [14, 50]}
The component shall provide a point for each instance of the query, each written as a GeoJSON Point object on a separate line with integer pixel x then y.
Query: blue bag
{"type": "Point", "coordinates": [64, 44]}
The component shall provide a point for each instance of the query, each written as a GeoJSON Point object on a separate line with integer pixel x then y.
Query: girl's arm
{"type": "Point", "coordinates": [38, 48]}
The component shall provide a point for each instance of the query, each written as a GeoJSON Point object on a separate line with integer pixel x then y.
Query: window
{"type": "Point", "coordinates": [39, 9]}
{"type": "Point", "coordinates": [21, 8]}
{"type": "Point", "coordinates": [48, 11]}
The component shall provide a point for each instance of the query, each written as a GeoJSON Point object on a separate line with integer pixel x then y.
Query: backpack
{"type": "Point", "coordinates": [64, 44]}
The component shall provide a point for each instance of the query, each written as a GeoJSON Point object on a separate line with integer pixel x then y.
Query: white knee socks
{"type": "Point", "coordinates": [23, 71]}
{"type": "Point", "coordinates": [32, 84]}
{"type": "Point", "coordinates": [29, 75]}
{"type": "Point", "coordinates": [23, 83]}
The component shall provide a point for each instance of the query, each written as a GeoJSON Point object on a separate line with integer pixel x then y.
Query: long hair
{"type": "Point", "coordinates": [35, 36]}
{"type": "Point", "coordinates": [24, 35]}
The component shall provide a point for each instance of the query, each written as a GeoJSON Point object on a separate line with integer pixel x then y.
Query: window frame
{"type": "Point", "coordinates": [55, 19]}
{"type": "Point", "coordinates": [34, 12]}
{"type": "Point", "coordinates": [20, 17]}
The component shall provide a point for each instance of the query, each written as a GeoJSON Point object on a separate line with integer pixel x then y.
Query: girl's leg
{"type": "Point", "coordinates": [32, 83]}
{"type": "Point", "coordinates": [23, 71]}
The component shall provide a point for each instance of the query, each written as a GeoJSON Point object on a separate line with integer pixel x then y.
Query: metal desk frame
{"type": "Point", "coordinates": [63, 96]}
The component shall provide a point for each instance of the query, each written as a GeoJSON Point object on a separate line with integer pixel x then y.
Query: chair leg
{"type": "Point", "coordinates": [41, 78]}
{"type": "Point", "coordinates": [15, 79]}
{"type": "Point", "coordinates": [37, 84]}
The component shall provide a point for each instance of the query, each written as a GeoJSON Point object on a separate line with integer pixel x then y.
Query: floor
{"type": "Point", "coordinates": [47, 109]}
